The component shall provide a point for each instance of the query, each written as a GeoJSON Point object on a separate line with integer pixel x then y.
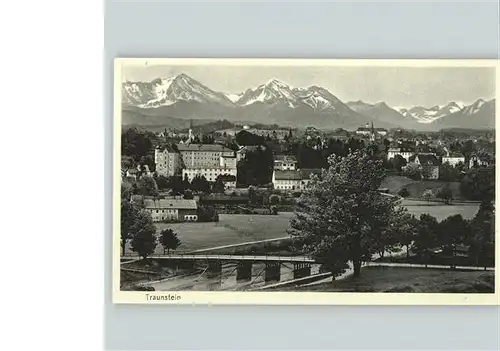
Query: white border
{"type": "Point", "coordinates": [283, 298]}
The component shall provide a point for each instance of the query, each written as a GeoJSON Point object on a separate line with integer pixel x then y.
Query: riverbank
{"type": "Point", "coordinates": [407, 280]}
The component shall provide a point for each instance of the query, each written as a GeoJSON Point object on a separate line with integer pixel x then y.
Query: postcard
{"type": "Point", "coordinates": [304, 182]}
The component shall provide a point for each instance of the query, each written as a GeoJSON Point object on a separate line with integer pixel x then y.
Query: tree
{"type": "Point", "coordinates": [188, 195]}
{"type": "Point", "coordinates": [143, 234]}
{"type": "Point", "coordinates": [479, 184]}
{"type": "Point", "coordinates": [201, 184]}
{"type": "Point", "coordinates": [448, 173]}
{"type": "Point", "coordinates": [274, 200]}
{"type": "Point", "coordinates": [207, 214]}
{"type": "Point", "coordinates": [169, 240]}
{"type": "Point", "coordinates": [427, 195]}
{"type": "Point", "coordinates": [452, 231]}
{"type": "Point", "coordinates": [218, 187]}
{"type": "Point", "coordinates": [341, 213]}
{"type": "Point", "coordinates": [483, 234]}
{"type": "Point", "coordinates": [412, 171]}
{"type": "Point", "coordinates": [147, 187]}
{"type": "Point", "coordinates": [388, 234]}
{"type": "Point", "coordinates": [399, 162]}
{"type": "Point", "coordinates": [403, 192]}
{"type": "Point", "coordinates": [136, 144]}
{"type": "Point", "coordinates": [445, 194]}
{"type": "Point", "coordinates": [162, 182]}
{"type": "Point", "coordinates": [407, 230]}
{"type": "Point", "coordinates": [425, 239]}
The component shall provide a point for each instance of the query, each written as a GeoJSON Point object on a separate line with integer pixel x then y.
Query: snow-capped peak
{"type": "Point", "coordinates": [168, 91]}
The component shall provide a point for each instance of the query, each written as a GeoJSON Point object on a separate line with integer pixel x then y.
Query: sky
{"type": "Point", "coordinates": [397, 86]}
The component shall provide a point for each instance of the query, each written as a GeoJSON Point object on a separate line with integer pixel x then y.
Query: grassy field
{"type": "Point", "coordinates": [418, 280]}
{"type": "Point", "coordinates": [231, 229]}
{"type": "Point", "coordinates": [417, 188]}
{"type": "Point", "coordinates": [440, 210]}
{"type": "Point", "coordinates": [235, 229]}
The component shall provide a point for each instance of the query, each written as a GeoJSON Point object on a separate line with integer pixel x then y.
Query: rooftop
{"type": "Point", "coordinates": [203, 147]}
{"type": "Point", "coordinates": [426, 159]}
{"type": "Point", "coordinates": [180, 204]}
{"type": "Point", "coordinates": [285, 158]}
{"type": "Point", "coordinates": [300, 174]}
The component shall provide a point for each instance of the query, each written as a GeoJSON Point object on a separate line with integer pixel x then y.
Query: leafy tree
{"type": "Point", "coordinates": [341, 213]}
{"type": "Point", "coordinates": [412, 171]}
{"type": "Point", "coordinates": [136, 144]}
{"type": "Point", "coordinates": [403, 192]}
{"type": "Point", "coordinates": [207, 214]}
{"type": "Point", "coordinates": [169, 240]}
{"type": "Point", "coordinates": [483, 234]}
{"type": "Point", "coordinates": [218, 187]}
{"type": "Point", "coordinates": [257, 167]}
{"type": "Point", "coordinates": [147, 187]}
{"type": "Point", "coordinates": [162, 182]}
{"type": "Point", "coordinates": [399, 162]}
{"type": "Point", "coordinates": [407, 230]}
{"type": "Point", "coordinates": [274, 210]}
{"type": "Point", "coordinates": [200, 183]}
{"type": "Point", "coordinates": [479, 184]}
{"type": "Point", "coordinates": [176, 185]}
{"type": "Point", "coordinates": [427, 195]}
{"type": "Point", "coordinates": [188, 195]}
{"type": "Point", "coordinates": [426, 240]}
{"type": "Point", "coordinates": [448, 173]}
{"type": "Point", "coordinates": [389, 232]}
{"type": "Point", "coordinates": [143, 234]}
{"type": "Point", "coordinates": [274, 200]}
{"type": "Point", "coordinates": [445, 194]}
{"type": "Point", "coordinates": [186, 184]}
{"type": "Point", "coordinates": [452, 231]}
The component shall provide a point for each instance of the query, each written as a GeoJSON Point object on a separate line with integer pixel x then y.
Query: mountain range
{"type": "Point", "coordinates": [173, 101]}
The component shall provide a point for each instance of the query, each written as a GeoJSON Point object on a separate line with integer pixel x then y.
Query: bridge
{"type": "Point", "coordinates": [244, 263]}
{"type": "Point", "coordinates": [253, 258]}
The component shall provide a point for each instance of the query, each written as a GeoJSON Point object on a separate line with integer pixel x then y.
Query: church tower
{"type": "Point", "coordinates": [373, 133]}
{"type": "Point", "coordinates": [190, 137]}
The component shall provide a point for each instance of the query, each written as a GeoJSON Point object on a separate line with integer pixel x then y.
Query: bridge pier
{"type": "Point", "coordinates": [272, 271]}
{"type": "Point", "coordinates": [244, 270]}
{"type": "Point", "coordinates": [301, 270]}
{"type": "Point", "coordinates": [214, 268]}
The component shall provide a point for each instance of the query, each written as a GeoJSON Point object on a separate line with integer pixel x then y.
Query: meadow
{"type": "Point", "coordinates": [238, 228]}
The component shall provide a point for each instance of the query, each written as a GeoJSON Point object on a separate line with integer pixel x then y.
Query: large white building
{"type": "Point", "coordinates": [393, 152]}
{"type": "Point", "coordinates": [172, 210]}
{"type": "Point", "coordinates": [453, 159]}
{"type": "Point", "coordinates": [211, 163]}
{"type": "Point", "coordinates": [285, 163]}
{"type": "Point", "coordinates": [292, 180]}
{"type": "Point", "coordinates": [203, 155]}
{"type": "Point", "coordinates": [167, 161]}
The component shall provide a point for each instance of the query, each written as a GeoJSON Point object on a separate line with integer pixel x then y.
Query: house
{"type": "Point", "coordinates": [167, 160]}
{"type": "Point", "coordinates": [285, 163]}
{"type": "Point", "coordinates": [404, 153]}
{"type": "Point", "coordinates": [203, 155]}
{"type": "Point", "coordinates": [429, 164]}
{"type": "Point", "coordinates": [293, 179]}
{"type": "Point", "coordinates": [370, 131]}
{"type": "Point", "coordinates": [481, 159]}
{"type": "Point", "coordinates": [138, 172]}
{"type": "Point", "coordinates": [453, 158]}
{"type": "Point", "coordinates": [242, 151]}
{"type": "Point", "coordinates": [172, 210]}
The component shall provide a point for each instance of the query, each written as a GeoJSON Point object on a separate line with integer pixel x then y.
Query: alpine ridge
{"type": "Point", "coordinates": [183, 97]}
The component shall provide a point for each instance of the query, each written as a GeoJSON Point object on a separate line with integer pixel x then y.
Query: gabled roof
{"type": "Point", "coordinates": [203, 147]}
{"type": "Point", "coordinates": [426, 159]}
{"type": "Point", "coordinates": [285, 158]}
{"type": "Point", "coordinates": [300, 174]}
{"type": "Point", "coordinates": [455, 154]}
{"type": "Point", "coordinates": [179, 204]}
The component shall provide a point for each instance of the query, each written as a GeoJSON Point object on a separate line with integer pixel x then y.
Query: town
{"type": "Point", "coordinates": [235, 190]}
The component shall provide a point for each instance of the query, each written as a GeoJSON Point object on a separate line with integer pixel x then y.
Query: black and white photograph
{"type": "Point", "coordinates": [331, 177]}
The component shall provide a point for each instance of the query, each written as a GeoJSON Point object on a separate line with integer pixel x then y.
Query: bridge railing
{"type": "Point", "coordinates": [227, 257]}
